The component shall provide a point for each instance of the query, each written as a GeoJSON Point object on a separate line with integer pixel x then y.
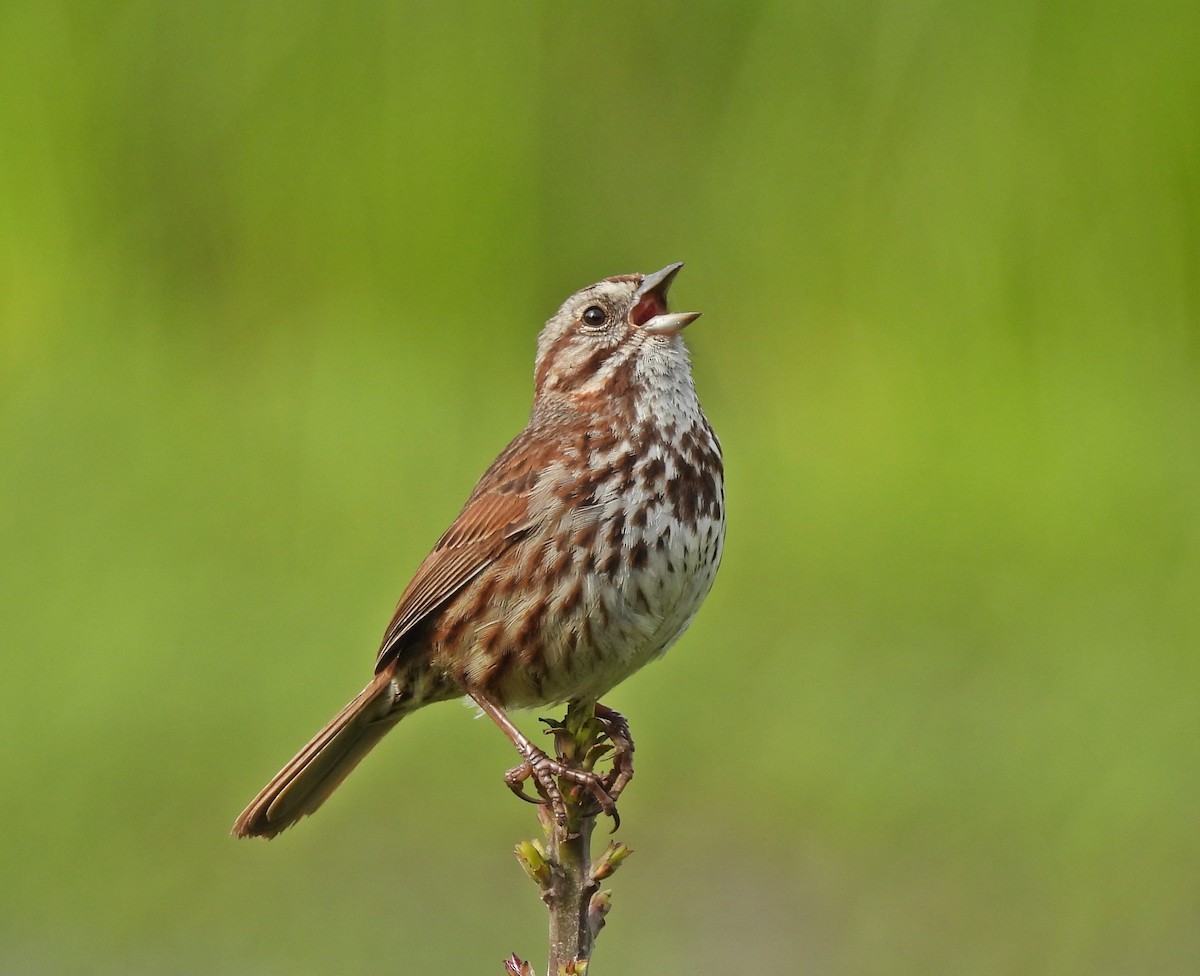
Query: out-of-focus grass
{"type": "Point", "coordinates": [271, 278]}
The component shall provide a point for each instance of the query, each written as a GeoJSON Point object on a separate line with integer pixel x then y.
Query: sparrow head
{"type": "Point", "coordinates": [606, 327]}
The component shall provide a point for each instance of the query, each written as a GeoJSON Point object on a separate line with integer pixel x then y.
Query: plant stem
{"type": "Point", "coordinates": [563, 868]}
{"type": "Point", "coordinates": [571, 889]}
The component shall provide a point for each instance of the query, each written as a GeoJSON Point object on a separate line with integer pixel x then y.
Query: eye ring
{"type": "Point", "coordinates": [594, 317]}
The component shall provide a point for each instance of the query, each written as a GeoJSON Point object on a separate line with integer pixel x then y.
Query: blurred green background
{"type": "Point", "coordinates": [272, 275]}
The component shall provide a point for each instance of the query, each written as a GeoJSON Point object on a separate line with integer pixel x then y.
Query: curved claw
{"type": "Point", "coordinates": [617, 730]}
{"type": "Point", "coordinates": [610, 809]}
{"type": "Point", "coordinates": [515, 778]}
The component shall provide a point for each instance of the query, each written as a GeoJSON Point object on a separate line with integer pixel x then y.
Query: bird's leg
{"type": "Point", "coordinates": [542, 768]}
{"type": "Point", "coordinates": [616, 728]}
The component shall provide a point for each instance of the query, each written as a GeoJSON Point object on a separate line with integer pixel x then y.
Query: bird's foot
{"type": "Point", "coordinates": [546, 772]}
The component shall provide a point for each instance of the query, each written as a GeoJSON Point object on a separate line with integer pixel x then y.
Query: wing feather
{"type": "Point", "coordinates": [497, 514]}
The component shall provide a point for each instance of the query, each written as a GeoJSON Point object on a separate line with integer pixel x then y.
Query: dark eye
{"type": "Point", "coordinates": [595, 316]}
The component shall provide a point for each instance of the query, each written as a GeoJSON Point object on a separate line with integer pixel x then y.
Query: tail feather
{"type": "Point", "coordinates": [319, 768]}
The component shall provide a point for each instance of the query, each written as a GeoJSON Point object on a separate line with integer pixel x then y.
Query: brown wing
{"type": "Point", "coordinates": [497, 514]}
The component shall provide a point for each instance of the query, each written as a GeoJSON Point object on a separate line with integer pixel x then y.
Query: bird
{"type": "Point", "coordinates": [583, 553]}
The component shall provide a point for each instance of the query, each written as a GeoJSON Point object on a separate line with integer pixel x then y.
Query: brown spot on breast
{"type": "Point", "coordinates": [616, 531]}
{"type": "Point", "coordinates": [611, 563]}
{"type": "Point", "coordinates": [587, 639]}
{"type": "Point", "coordinates": [482, 593]}
{"type": "Point", "coordinates": [604, 440]}
{"type": "Point", "coordinates": [559, 566]}
{"type": "Point", "coordinates": [710, 496]}
{"type": "Point", "coordinates": [695, 490]}
{"type": "Point", "coordinates": [573, 598]}
{"type": "Point", "coordinates": [682, 493]}
{"type": "Point", "coordinates": [494, 670]}
{"type": "Point", "coordinates": [449, 630]}
{"type": "Point", "coordinates": [585, 535]}
{"type": "Point", "coordinates": [489, 640]}
{"type": "Point", "coordinates": [622, 472]}
{"type": "Point", "coordinates": [652, 472]}
{"type": "Point", "coordinates": [639, 555]}
{"type": "Point", "coordinates": [643, 438]}
{"type": "Point", "coordinates": [524, 637]}
{"type": "Point", "coordinates": [589, 440]}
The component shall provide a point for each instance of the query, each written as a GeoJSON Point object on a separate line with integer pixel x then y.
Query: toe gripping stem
{"type": "Point", "coordinates": [546, 772]}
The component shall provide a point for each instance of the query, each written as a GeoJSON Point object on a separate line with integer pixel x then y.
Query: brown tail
{"type": "Point", "coordinates": [319, 768]}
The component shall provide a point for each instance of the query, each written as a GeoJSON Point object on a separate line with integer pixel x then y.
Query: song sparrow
{"type": "Point", "coordinates": [583, 553]}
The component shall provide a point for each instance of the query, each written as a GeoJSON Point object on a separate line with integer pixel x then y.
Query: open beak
{"type": "Point", "coordinates": [650, 305]}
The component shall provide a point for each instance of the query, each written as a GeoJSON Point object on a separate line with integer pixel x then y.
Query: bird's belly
{"type": "Point", "coordinates": [580, 632]}
{"type": "Point", "coordinates": [657, 603]}
{"type": "Point", "coordinates": [658, 592]}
